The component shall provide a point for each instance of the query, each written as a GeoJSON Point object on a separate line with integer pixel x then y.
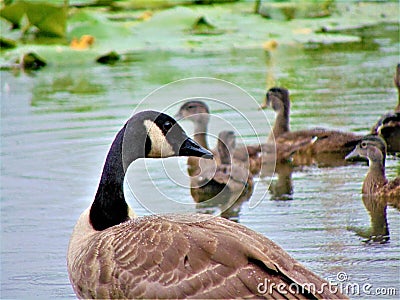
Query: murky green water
{"type": "Point", "coordinates": [57, 125]}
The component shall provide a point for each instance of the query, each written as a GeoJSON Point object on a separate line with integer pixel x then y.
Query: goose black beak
{"type": "Point", "coordinates": [191, 148]}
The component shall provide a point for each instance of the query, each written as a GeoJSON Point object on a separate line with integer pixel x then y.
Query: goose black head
{"type": "Point", "coordinates": [155, 135]}
{"type": "Point", "coordinates": [277, 98]}
{"type": "Point", "coordinates": [371, 147]}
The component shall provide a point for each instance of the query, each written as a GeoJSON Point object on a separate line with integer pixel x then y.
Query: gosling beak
{"type": "Point", "coordinates": [191, 148]}
{"type": "Point", "coordinates": [264, 105]}
{"type": "Point", "coordinates": [352, 154]}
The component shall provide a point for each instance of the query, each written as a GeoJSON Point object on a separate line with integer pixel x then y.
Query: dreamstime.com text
{"type": "Point", "coordinates": [341, 284]}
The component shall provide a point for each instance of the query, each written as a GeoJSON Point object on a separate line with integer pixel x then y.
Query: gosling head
{"type": "Point", "coordinates": [277, 98]}
{"type": "Point", "coordinates": [371, 147]}
{"type": "Point", "coordinates": [196, 111]}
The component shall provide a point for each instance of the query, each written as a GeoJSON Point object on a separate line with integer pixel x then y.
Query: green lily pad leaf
{"type": "Point", "coordinates": [146, 4]}
{"type": "Point", "coordinates": [53, 55]}
{"type": "Point", "coordinates": [79, 3]}
{"type": "Point", "coordinates": [5, 26]}
{"type": "Point", "coordinates": [13, 13]}
{"type": "Point", "coordinates": [106, 33]}
{"type": "Point", "coordinates": [289, 10]}
{"type": "Point", "coordinates": [6, 43]}
{"type": "Point", "coordinates": [48, 18]}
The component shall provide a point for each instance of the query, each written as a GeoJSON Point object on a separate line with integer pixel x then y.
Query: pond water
{"type": "Point", "coordinates": [57, 125]}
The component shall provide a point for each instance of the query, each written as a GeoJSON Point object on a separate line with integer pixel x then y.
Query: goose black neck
{"type": "Point", "coordinates": [109, 207]}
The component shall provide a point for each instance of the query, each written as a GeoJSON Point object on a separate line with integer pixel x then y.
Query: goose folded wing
{"type": "Point", "coordinates": [174, 257]}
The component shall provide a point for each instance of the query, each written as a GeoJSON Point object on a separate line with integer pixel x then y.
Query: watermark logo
{"type": "Point", "coordinates": [349, 287]}
{"type": "Point", "coordinates": [340, 284]}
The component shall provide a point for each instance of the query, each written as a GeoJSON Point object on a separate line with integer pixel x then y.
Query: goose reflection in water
{"type": "Point", "coordinates": [378, 232]}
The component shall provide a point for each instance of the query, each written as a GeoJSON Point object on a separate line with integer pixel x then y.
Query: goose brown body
{"type": "Point", "coordinates": [321, 140]}
{"type": "Point", "coordinates": [114, 255]}
{"type": "Point", "coordinates": [188, 256]}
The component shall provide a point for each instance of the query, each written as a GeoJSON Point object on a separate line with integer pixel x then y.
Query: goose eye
{"type": "Point", "coordinates": [167, 126]}
{"type": "Point", "coordinates": [190, 106]}
{"type": "Point", "coordinates": [363, 144]}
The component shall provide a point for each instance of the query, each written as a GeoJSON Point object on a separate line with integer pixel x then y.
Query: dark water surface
{"type": "Point", "coordinates": [57, 125]}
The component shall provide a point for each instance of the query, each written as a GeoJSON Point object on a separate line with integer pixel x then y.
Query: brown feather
{"type": "Point", "coordinates": [193, 259]}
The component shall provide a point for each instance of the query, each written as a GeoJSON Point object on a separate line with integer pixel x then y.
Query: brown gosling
{"type": "Point", "coordinates": [375, 183]}
{"type": "Point", "coordinates": [388, 126]}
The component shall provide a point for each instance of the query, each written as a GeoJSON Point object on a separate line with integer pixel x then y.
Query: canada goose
{"type": "Point", "coordinates": [325, 141]}
{"type": "Point", "coordinates": [228, 177]}
{"type": "Point", "coordinates": [375, 183]}
{"type": "Point", "coordinates": [388, 126]}
{"type": "Point", "coordinates": [112, 255]}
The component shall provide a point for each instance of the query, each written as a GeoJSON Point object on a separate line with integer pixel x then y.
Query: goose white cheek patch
{"type": "Point", "coordinates": [159, 144]}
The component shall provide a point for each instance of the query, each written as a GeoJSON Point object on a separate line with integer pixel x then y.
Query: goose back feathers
{"type": "Point", "coordinates": [192, 256]}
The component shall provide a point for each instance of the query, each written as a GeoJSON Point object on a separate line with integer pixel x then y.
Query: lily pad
{"type": "Point", "coordinates": [48, 18]}
{"type": "Point", "coordinates": [188, 28]}
{"type": "Point", "coordinates": [6, 43]}
{"type": "Point", "coordinates": [289, 10]}
{"type": "Point", "coordinates": [89, 22]}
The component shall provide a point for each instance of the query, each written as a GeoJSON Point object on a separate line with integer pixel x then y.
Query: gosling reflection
{"type": "Point", "coordinates": [378, 232]}
{"type": "Point", "coordinates": [222, 184]}
{"type": "Point", "coordinates": [226, 204]}
{"type": "Point", "coordinates": [281, 187]}
{"type": "Point", "coordinates": [323, 160]}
